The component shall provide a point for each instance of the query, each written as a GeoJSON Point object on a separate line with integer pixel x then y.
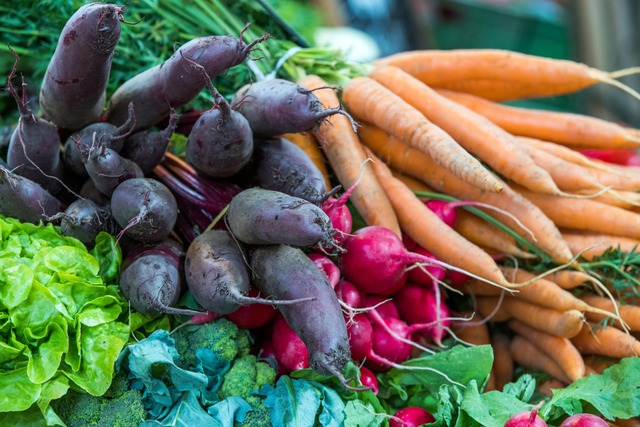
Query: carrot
{"type": "Point", "coordinates": [570, 155]}
{"type": "Point", "coordinates": [575, 130]}
{"type": "Point", "coordinates": [554, 322]}
{"type": "Point", "coordinates": [487, 235]}
{"type": "Point", "coordinates": [629, 313]}
{"type": "Point", "coordinates": [471, 332]}
{"type": "Point", "coordinates": [526, 354]}
{"type": "Point", "coordinates": [547, 387]}
{"type": "Point", "coordinates": [509, 75]}
{"type": "Point", "coordinates": [569, 279]}
{"type": "Point", "coordinates": [348, 161]}
{"type": "Point", "coordinates": [308, 143]}
{"type": "Point", "coordinates": [371, 102]}
{"type": "Point", "coordinates": [560, 350]}
{"type": "Point", "coordinates": [490, 308]}
{"type": "Point", "coordinates": [568, 176]}
{"type": "Point", "coordinates": [620, 178]}
{"type": "Point", "coordinates": [591, 245]}
{"type": "Point", "coordinates": [413, 183]}
{"type": "Point", "coordinates": [585, 214]}
{"type": "Point", "coordinates": [502, 369]}
{"type": "Point", "coordinates": [412, 162]}
{"type": "Point", "coordinates": [597, 364]}
{"type": "Point", "coordinates": [606, 341]}
{"type": "Point", "coordinates": [474, 132]}
{"type": "Point", "coordinates": [430, 232]}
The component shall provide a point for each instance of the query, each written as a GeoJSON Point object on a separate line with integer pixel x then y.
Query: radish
{"type": "Point", "coordinates": [376, 261]}
{"type": "Point", "coordinates": [457, 278]}
{"type": "Point", "coordinates": [614, 155]}
{"type": "Point", "coordinates": [339, 213]}
{"type": "Point", "coordinates": [384, 307]}
{"type": "Point", "coordinates": [526, 419]}
{"type": "Point", "coordinates": [253, 315]}
{"type": "Point", "coordinates": [327, 266]}
{"type": "Point", "coordinates": [428, 275]}
{"type": "Point", "coordinates": [411, 416]}
{"type": "Point", "coordinates": [584, 420]}
{"type": "Point", "coordinates": [418, 304]}
{"type": "Point", "coordinates": [368, 379]}
{"type": "Point", "coordinates": [290, 351]}
{"type": "Point", "coordinates": [348, 294]}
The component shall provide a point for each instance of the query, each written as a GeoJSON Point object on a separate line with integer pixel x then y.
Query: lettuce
{"type": "Point", "coordinates": [63, 321]}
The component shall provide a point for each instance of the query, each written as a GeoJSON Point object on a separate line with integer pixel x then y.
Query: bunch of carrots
{"type": "Point", "coordinates": [433, 124]}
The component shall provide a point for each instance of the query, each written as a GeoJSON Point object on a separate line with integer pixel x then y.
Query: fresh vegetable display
{"type": "Point", "coordinates": [241, 229]}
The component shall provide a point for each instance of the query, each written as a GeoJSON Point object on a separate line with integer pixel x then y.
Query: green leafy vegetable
{"type": "Point", "coordinates": [63, 321]}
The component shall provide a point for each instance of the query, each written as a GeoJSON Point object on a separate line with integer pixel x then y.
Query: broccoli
{"type": "Point", "coordinates": [118, 407]}
{"type": "Point", "coordinates": [221, 336]}
{"type": "Point", "coordinates": [246, 374]}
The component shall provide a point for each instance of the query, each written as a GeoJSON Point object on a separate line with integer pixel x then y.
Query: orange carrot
{"type": "Point", "coordinates": [502, 369]}
{"type": "Point", "coordinates": [484, 234]}
{"type": "Point", "coordinates": [606, 341]}
{"type": "Point", "coordinates": [413, 183]}
{"type": "Point", "coordinates": [622, 179]}
{"type": "Point", "coordinates": [569, 279]}
{"type": "Point", "coordinates": [371, 102]}
{"type": "Point", "coordinates": [471, 332]}
{"type": "Point", "coordinates": [496, 147]}
{"type": "Point", "coordinates": [528, 355]}
{"type": "Point", "coordinates": [412, 162]}
{"type": "Point", "coordinates": [629, 313]}
{"type": "Point", "coordinates": [560, 350]}
{"type": "Point", "coordinates": [590, 245]}
{"type": "Point", "coordinates": [554, 322]}
{"type": "Point", "coordinates": [508, 74]}
{"type": "Point", "coordinates": [490, 308]}
{"type": "Point", "coordinates": [568, 176]}
{"type": "Point", "coordinates": [575, 130]}
{"type": "Point", "coordinates": [430, 232]}
{"type": "Point", "coordinates": [308, 143]}
{"type": "Point", "coordinates": [585, 214]}
{"type": "Point", "coordinates": [548, 386]}
{"type": "Point", "coordinates": [347, 158]}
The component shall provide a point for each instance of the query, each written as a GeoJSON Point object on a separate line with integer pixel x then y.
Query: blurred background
{"type": "Point", "coordinates": [603, 34]}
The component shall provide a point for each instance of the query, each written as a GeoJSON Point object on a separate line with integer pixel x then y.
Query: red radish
{"type": "Point", "coordinates": [254, 315]}
{"type": "Point", "coordinates": [428, 275]}
{"type": "Point", "coordinates": [408, 242]}
{"type": "Point", "coordinates": [384, 307]}
{"type": "Point", "coordinates": [411, 416]}
{"type": "Point", "coordinates": [417, 304]}
{"type": "Point", "coordinates": [457, 278]}
{"type": "Point", "coordinates": [327, 266]}
{"type": "Point", "coordinates": [201, 319]}
{"type": "Point", "coordinates": [387, 346]}
{"type": "Point", "coordinates": [613, 155]}
{"type": "Point", "coordinates": [445, 210]}
{"type": "Point", "coordinates": [584, 420]}
{"type": "Point", "coordinates": [526, 419]}
{"type": "Point", "coordinates": [348, 294]}
{"type": "Point", "coordinates": [368, 379]}
{"type": "Point", "coordinates": [375, 260]}
{"type": "Point", "coordinates": [339, 213]}
{"type": "Point", "coordinates": [290, 351]}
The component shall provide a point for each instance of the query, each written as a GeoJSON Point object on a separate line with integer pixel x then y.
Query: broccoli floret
{"type": "Point", "coordinates": [259, 416]}
{"type": "Point", "coordinates": [221, 336]}
{"type": "Point", "coordinates": [246, 374]}
{"type": "Point", "coordinates": [118, 407]}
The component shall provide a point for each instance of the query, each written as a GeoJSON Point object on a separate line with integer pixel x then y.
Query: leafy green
{"type": "Point", "coordinates": [614, 394]}
{"type": "Point", "coordinates": [63, 321]}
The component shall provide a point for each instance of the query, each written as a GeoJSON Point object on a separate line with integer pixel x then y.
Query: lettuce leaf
{"type": "Point", "coordinates": [63, 321]}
